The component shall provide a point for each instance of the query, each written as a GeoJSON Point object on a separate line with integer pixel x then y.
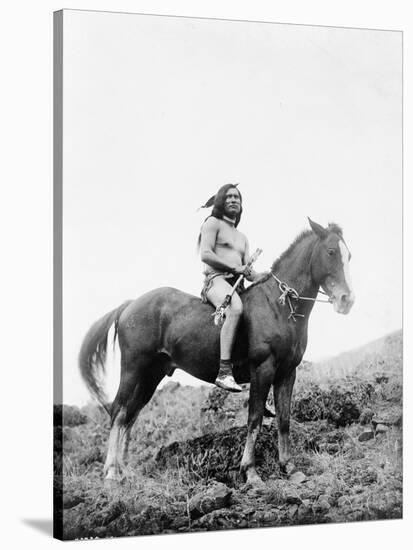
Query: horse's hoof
{"type": "Point", "coordinates": [111, 484]}
{"type": "Point", "coordinates": [288, 468]}
{"type": "Point", "coordinates": [254, 480]}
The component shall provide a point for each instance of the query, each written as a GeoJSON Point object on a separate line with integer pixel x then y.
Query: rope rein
{"type": "Point", "coordinates": [289, 293]}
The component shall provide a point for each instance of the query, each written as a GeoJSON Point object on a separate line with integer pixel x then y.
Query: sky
{"type": "Point", "coordinates": [159, 112]}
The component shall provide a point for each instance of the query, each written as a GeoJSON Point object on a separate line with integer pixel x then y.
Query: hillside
{"type": "Point", "coordinates": [380, 356]}
{"type": "Point", "coordinates": [346, 439]}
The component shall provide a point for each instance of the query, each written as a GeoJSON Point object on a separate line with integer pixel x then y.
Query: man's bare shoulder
{"type": "Point", "coordinates": [211, 224]}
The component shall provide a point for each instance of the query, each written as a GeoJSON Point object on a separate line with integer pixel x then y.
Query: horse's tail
{"type": "Point", "coordinates": [92, 356]}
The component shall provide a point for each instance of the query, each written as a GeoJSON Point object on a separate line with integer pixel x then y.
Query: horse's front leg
{"type": "Point", "coordinates": [282, 398]}
{"type": "Point", "coordinates": [261, 379]}
{"type": "Point", "coordinates": [124, 452]}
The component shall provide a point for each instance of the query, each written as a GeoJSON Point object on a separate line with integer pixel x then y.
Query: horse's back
{"type": "Point", "coordinates": [161, 301]}
{"type": "Point", "coordinates": [164, 313]}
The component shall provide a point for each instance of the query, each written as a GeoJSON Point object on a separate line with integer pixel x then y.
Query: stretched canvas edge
{"type": "Point", "coordinates": [57, 267]}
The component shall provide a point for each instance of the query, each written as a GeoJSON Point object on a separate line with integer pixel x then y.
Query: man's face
{"type": "Point", "coordinates": [232, 203]}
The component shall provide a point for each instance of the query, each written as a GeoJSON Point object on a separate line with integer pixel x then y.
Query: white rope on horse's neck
{"type": "Point", "coordinates": [288, 293]}
{"type": "Point", "coordinates": [295, 294]}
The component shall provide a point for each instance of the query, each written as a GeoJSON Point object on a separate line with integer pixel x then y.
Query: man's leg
{"type": "Point", "coordinates": [216, 295]}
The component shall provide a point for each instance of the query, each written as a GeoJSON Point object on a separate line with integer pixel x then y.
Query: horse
{"type": "Point", "coordinates": [166, 329]}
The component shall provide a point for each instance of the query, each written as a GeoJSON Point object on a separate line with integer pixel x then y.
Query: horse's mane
{"type": "Point", "coordinates": [331, 228]}
{"type": "Point", "coordinates": [287, 253]}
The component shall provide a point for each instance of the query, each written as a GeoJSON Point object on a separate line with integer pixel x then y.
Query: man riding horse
{"type": "Point", "coordinates": [225, 253]}
{"type": "Point", "coordinates": [167, 328]}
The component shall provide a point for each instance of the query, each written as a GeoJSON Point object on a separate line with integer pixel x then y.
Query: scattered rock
{"type": "Point", "coordinates": [270, 517]}
{"type": "Point", "coordinates": [342, 501]}
{"type": "Point", "coordinates": [292, 510]}
{"type": "Point", "coordinates": [366, 416]}
{"type": "Point", "coordinates": [70, 501]}
{"type": "Point", "coordinates": [110, 512]}
{"type": "Point", "coordinates": [327, 440]}
{"type": "Point", "coordinates": [291, 496]}
{"type": "Point", "coordinates": [332, 448]}
{"type": "Point", "coordinates": [248, 511]}
{"type": "Point", "coordinates": [381, 429]}
{"type": "Point", "coordinates": [259, 516]}
{"type": "Point", "coordinates": [218, 519]}
{"type": "Point", "coordinates": [214, 497]}
{"type": "Point", "coordinates": [388, 418]}
{"type": "Point", "coordinates": [179, 522]}
{"type": "Point", "coordinates": [369, 476]}
{"type": "Point", "coordinates": [366, 435]}
{"type": "Point", "coordinates": [322, 505]}
{"type": "Point", "coordinates": [355, 454]}
{"type": "Point", "coordinates": [304, 511]}
{"type": "Point", "coordinates": [256, 490]}
{"type": "Point", "coordinates": [322, 484]}
{"type": "Point", "coordinates": [297, 477]}
{"type": "Point", "coordinates": [309, 489]}
{"type": "Point", "coordinates": [355, 515]}
{"type": "Point", "coordinates": [100, 532]}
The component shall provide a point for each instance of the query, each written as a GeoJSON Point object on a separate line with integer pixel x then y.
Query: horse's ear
{"type": "Point", "coordinates": [318, 229]}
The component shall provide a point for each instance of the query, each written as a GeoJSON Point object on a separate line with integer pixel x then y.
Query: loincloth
{"type": "Point", "coordinates": [229, 277]}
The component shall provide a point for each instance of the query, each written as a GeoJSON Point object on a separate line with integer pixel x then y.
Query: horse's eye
{"type": "Point", "coordinates": [331, 251]}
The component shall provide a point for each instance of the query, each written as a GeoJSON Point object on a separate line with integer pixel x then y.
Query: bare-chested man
{"type": "Point", "coordinates": [225, 251]}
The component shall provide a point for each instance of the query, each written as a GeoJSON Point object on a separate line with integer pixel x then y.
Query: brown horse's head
{"type": "Point", "coordinates": [330, 266]}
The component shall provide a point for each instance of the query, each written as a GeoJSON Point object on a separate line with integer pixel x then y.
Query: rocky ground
{"type": "Point", "coordinates": [183, 475]}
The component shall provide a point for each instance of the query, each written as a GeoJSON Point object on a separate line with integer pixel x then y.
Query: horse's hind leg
{"type": "Point", "coordinates": [139, 379]}
{"type": "Point", "coordinates": [112, 468]}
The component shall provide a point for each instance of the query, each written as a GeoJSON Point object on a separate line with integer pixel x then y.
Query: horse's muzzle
{"type": "Point", "coordinates": [343, 302]}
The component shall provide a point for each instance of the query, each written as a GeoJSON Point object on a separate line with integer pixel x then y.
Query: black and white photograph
{"type": "Point", "coordinates": [206, 263]}
{"type": "Point", "coordinates": [228, 209]}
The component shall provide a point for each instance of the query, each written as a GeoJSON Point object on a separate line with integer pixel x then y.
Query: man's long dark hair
{"type": "Point", "coordinates": [218, 210]}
